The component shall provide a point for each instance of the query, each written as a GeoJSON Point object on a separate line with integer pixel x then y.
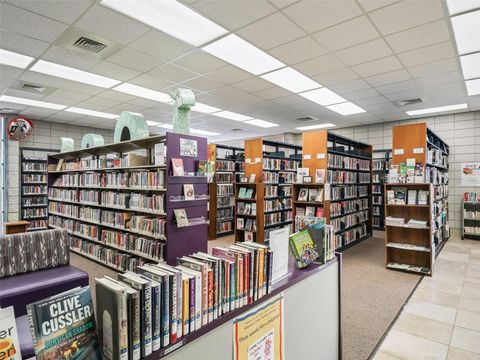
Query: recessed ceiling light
{"type": "Point", "coordinates": [437, 109]}
{"type": "Point", "coordinates": [473, 87]}
{"type": "Point", "coordinates": [171, 17]}
{"type": "Point", "coordinates": [470, 65]}
{"type": "Point", "coordinates": [241, 53]}
{"type": "Point", "coordinates": [92, 113]}
{"type": "Point", "coordinates": [347, 108]}
{"type": "Point", "coordinates": [261, 123]}
{"type": "Point", "coordinates": [203, 132]}
{"type": "Point", "coordinates": [232, 116]}
{"type": "Point", "coordinates": [318, 126]}
{"type": "Point", "coordinates": [291, 80]}
{"type": "Point", "coordinates": [29, 102]}
{"type": "Point", "coordinates": [140, 91]}
{"type": "Point", "coordinates": [152, 123]}
{"type": "Point", "coordinates": [166, 126]}
{"type": "Point", "coordinates": [203, 108]}
{"type": "Point", "coordinates": [13, 59]}
{"type": "Point", "coordinates": [459, 6]}
{"type": "Point", "coordinates": [323, 97]}
{"type": "Point", "coordinates": [69, 73]}
{"type": "Point", "coordinates": [466, 28]}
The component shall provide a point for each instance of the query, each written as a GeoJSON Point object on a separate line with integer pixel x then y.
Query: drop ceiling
{"type": "Point", "coordinates": [373, 53]}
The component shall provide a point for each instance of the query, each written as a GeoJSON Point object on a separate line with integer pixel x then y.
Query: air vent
{"type": "Point", "coordinates": [89, 45]}
{"type": "Point", "coordinates": [306, 118]}
{"type": "Point", "coordinates": [410, 102]}
{"type": "Point", "coordinates": [38, 88]}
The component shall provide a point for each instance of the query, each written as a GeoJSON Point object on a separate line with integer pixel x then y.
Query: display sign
{"type": "Point", "coordinates": [398, 152]}
{"type": "Point", "coordinates": [471, 174]}
{"type": "Point", "coordinates": [188, 147]}
{"type": "Point", "coordinates": [258, 334]}
{"type": "Point", "coordinates": [279, 245]}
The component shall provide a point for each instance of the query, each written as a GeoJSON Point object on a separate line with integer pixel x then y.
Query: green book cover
{"type": "Point", "coordinates": [242, 192]}
{"type": "Point", "coordinates": [303, 248]}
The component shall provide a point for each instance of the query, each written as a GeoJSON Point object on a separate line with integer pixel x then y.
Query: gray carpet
{"type": "Point", "coordinates": [372, 296]}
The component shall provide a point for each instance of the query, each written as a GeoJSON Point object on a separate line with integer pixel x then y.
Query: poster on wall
{"type": "Point", "coordinates": [258, 334]}
{"type": "Point", "coordinates": [188, 147]}
{"type": "Point", "coordinates": [471, 174]}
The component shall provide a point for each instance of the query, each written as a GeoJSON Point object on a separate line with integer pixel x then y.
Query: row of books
{"type": "Point", "coordinates": [377, 210]}
{"type": "Point", "coordinates": [34, 178]}
{"type": "Point", "coordinates": [399, 196]}
{"type": "Point", "coordinates": [148, 225]}
{"type": "Point", "coordinates": [225, 214]}
{"type": "Point", "coordinates": [37, 224]}
{"type": "Point", "coordinates": [246, 208]}
{"type": "Point", "coordinates": [377, 199]}
{"type": "Point", "coordinates": [398, 221]}
{"type": "Point", "coordinates": [436, 176]}
{"type": "Point", "coordinates": [414, 268]}
{"type": "Point", "coordinates": [224, 178]}
{"type": "Point", "coordinates": [310, 211]}
{"type": "Point", "coordinates": [90, 213]}
{"type": "Point", "coordinates": [377, 189]}
{"type": "Point", "coordinates": [276, 177]}
{"type": "Point", "coordinates": [347, 162]}
{"type": "Point", "coordinates": [379, 165]}
{"type": "Point", "coordinates": [34, 201]}
{"type": "Point", "coordinates": [225, 201]}
{"type": "Point", "coordinates": [349, 206]}
{"type": "Point", "coordinates": [347, 177]}
{"type": "Point", "coordinates": [34, 212]}
{"type": "Point", "coordinates": [224, 226]}
{"type": "Point", "coordinates": [343, 222]}
{"type": "Point", "coordinates": [437, 157]}
{"type": "Point", "coordinates": [224, 165]}
{"type": "Point", "coordinates": [280, 164]}
{"type": "Point", "coordinates": [409, 171]}
{"type": "Point", "coordinates": [36, 190]}
{"type": "Point", "coordinates": [314, 244]}
{"type": "Point", "coordinates": [246, 224]}
{"type": "Point", "coordinates": [277, 204]}
{"type": "Point", "coordinates": [440, 191]}
{"type": "Point", "coordinates": [278, 190]}
{"type": "Point", "coordinates": [63, 209]}
{"type": "Point", "coordinates": [34, 166]}
{"type": "Point", "coordinates": [310, 194]}
{"type": "Point", "coordinates": [471, 197]}
{"type": "Point", "coordinates": [225, 189]}
{"type": "Point", "coordinates": [278, 217]}
{"type": "Point", "coordinates": [471, 230]}
{"type": "Point", "coordinates": [350, 236]}
{"type": "Point", "coordinates": [348, 192]}
{"type": "Point", "coordinates": [154, 202]}
{"type": "Point", "coordinates": [246, 193]}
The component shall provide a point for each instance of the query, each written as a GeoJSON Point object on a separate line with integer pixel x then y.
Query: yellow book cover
{"type": "Point", "coordinates": [186, 304]}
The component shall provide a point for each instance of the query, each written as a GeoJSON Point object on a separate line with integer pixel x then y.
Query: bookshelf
{"type": "Point", "coordinates": [118, 201]}
{"type": "Point", "coordinates": [471, 215]}
{"type": "Point", "coordinates": [33, 181]}
{"type": "Point", "coordinates": [380, 167]}
{"type": "Point", "coordinates": [224, 161]}
{"type": "Point", "coordinates": [345, 169]}
{"type": "Point", "coordinates": [417, 190]}
{"type": "Point", "coordinates": [273, 164]}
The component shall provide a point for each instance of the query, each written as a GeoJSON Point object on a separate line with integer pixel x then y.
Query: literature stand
{"type": "Point", "coordinates": [380, 166]}
{"type": "Point", "coordinates": [273, 164]}
{"type": "Point", "coordinates": [346, 168]}
{"type": "Point", "coordinates": [221, 189]}
{"type": "Point", "coordinates": [471, 215]}
{"type": "Point", "coordinates": [33, 180]}
{"type": "Point", "coordinates": [414, 248]}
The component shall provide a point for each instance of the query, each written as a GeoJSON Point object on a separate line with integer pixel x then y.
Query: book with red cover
{"type": "Point", "coordinates": [177, 166]}
{"type": "Point", "coordinates": [319, 212]}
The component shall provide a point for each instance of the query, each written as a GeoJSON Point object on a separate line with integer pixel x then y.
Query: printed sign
{"type": "Point", "coordinates": [471, 174]}
{"type": "Point", "coordinates": [188, 147]}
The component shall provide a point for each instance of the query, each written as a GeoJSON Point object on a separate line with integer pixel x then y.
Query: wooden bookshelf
{"type": "Point", "coordinates": [224, 162]}
{"type": "Point", "coordinates": [334, 156]}
{"type": "Point", "coordinates": [428, 157]}
{"type": "Point", "coordinates": [380, 167]}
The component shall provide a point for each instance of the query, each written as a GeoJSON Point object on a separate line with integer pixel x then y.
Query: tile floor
{"type": "Point", "coordinates": [441, 321]}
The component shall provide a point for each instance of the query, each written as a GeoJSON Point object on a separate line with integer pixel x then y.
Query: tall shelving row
{"type": "Point", "coordinates": [33, 180]}
{"type": "Point", "coordinates": [224, 161]}
{"type": "Point", "coordinates": [341, 169]}
{"type": "Point", "coordinates": [121, 203]}
{"type": "Point", "coordinates": [265, 202]}
{"type": "Point", "coordinates": [380, 167]}
{"type": "Point", "coordinates": [416, 205]}
{"type": "Point", "coordinates": [471, 215]}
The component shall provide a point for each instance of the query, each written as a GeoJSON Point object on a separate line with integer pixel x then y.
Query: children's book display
{"type": "Point", "coordinates": [315, 244]}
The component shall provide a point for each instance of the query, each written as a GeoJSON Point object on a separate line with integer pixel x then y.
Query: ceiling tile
{"type": "Point", "coordinates": [229, 74]}
{"type": "Point", "coordinates": [272, 93]}
{"type": "Point", "coordinates": [160, 45]}
{"type": "Point", "coordinates": [116, 96]}
{"type": "Point", "coordinates": [90, 106]}
{"type": "Point", "coordinates": [41, 79]}
{"type": "Point", "coordinates": [439, 79]}
{"type": "Point", "coordinates": [289, 100]}
{"type": "Point", "coordinates": [253, 84]}
{"type": "Point", "coordinates": [271, 31]}
{"type": "Point", "coordinates": [316, 15]}
{"type": "Point", "coordinates": [38, 113]}
{"type": "Point", "coordinates": [64, 11]}
{"type": "Point", "coordinates": [320, 65]}
{"type": "Point", "coordinates": [69, 95]}
{"type": "Point", "coordinates": [24, 94]}
{"type": "Point", "coordinates": [57, 100]}
{"type": "Point", "coordinates": [418, 37]}
{"type": "Point", "coordinates": [173, 73]}
{"type": "Point", "coordinates": [361, 94]}
{"type": "Point", "coordinates": [370, 5]}
{"type": "Point", "coordinates": [107, 103]}
{"type": "Point", "coordinates": [335, 77]}
{"type": "Point", "coordinates": [428, 54]}
{"type": "Point", "coordinates": [365, 52]}
{"type": "Point", "coordinates": [283, 3]}
{"type": "Point", "coordinates": [200, 62]}
{"type": "Point", "coordinates": [374, 102]}
{"type": "Point", "coordinates": [10, 71]}
{"type": "Point", "coordinates": [134, 59]}
{"type": "Point", "coordinates": [434, 68]}
{"type": "Point", "coordinates": [150, 104]}
{"type": "Point", "coordinates": [114, 71]}
{"type": "Point", "coordinates": [347, 34]}
{"type": "Point", "coordinates": [233, 14]}
{"type": "Point", "coordinates": [406, 14]}
{"type": "Point", "coordinates": [298, 50]}
{"type": "Point", "coordinates": [82, 88]}
{"type": "Point", "coordinates": [78, 59]}
{"type": "Point", "coordinates": [22, 44]}
{"type": "Point", "coordinates": [378, 66]}
{"type": "Point", "coordinates": [29, 24]}
{"type": "Point", "coordinates": [388, 78]}
{"type": "Point", "coordinates": [201, 83]}
{"type": "Point", "coordinates": [396, 87]}
{"type": "Point", "coordinates": [111, 25]}
{"type": "Point", "coordinates": [350, 86]}
{"type": "Point", "coordinates": [151, 82]}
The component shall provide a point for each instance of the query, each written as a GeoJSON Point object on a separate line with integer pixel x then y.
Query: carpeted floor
{"type": "Point", "coordinates": [372, 296]}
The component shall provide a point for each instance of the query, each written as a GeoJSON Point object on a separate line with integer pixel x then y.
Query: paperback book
{"type": "Point", "coordinates": [9, 344]}
{"type": "Point", "coordinates": [303, 249]}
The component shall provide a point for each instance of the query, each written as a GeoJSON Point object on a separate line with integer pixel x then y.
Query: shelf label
{"type": "Point", "coordinates": [257, 160]}
{"type": "Point", "coordinates": [307, 157]}
{"type": "Point", "coordinates": [321, 156]}
{"type": "Point", "coordinates": [248, 160]}
{"type": "Point", "coordinates": [418, 150]}
{"type": "Point", "coordinates": [398, 152]}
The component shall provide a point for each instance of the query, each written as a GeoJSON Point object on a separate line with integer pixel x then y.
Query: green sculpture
{"type": "Point", "coordinates": [130, 126]}
{"type": "Point", "coordinates": [92, 140]}
{"type": "Point", "coordinates": [67, 144]}
{"type": "Point", "coordinates": [184, 100]}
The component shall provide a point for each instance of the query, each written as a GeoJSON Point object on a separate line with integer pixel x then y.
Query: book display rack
{"type": "Point", "coordinates": [380, 167]}
{"type": "Point", "coordinates": [224, 162]}
{"type": "Point", "coordinates": [33, 180]}
{"type": "Point", "coordinates": [339, 171]}
{"type": "Point", "coordinates": [129, 203]}
{"type": "Point", "coordinates": [471, 215]}
{"type": "Point", "coordinates": [416, 205]}
{"type": "Point", "coordinates": [265, 202]}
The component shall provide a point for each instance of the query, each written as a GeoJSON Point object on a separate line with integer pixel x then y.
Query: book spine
{"type": "Point", "coordinates": [173, 309]}
{"type": "Point", "coordinates": [198, 302]}
{"type": "Point", "coordinates": [261, 262]}
{"type": "Point", "coordinates": [237, 282]}
{"type": "Point", "coordinates": [233, 286]}
{"type": "Point", "coordinates": [241, 289]}
{"type": "Point", "coordinates": [185, 307]}
{"type": "Point", "coordinates": [251, 265]}
{"type": "Point", "coordinates": [255, 275]}
{"type": "Point", "coordinates": [265, 272]}
{"type": "Point", "coordinates": [295, 254]}
{"type": "Point", "coordinates": [156, 317]}
{"type": "Point", "coordinates": [165, 311]}
{"type": "Point", "coordinates": [227, 287]}
{"type": "Point", "coordinates": [210, 295]}
{"type": "Point", "coordinates": [215, 292]}
{"type": "Point", "coordinates": [31, 321]}
{"type": "Point", "coordinates": [147, 320]}
{"type": "Point", "coordinates": [122, 325]}
{"type": "Point", "coordinates": [179, 303]}
{"type": "Point", "coordinates": [270, 271]}
{"type": "Point", "coordinates": [192, 304]}
{"type": "Point", "coordinates": [134, 320]}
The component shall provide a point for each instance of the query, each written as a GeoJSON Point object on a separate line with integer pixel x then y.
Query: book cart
{"type": "Point", "coordinates": [418, 229]}
{"type": "Point", "coordinates": [471, 215]}
{"type": "Point", "coordinates": [380, 166]}
{"type": "Point", "coordinates": [118, 206]}
{"type": "Point", "coordinates": [269, 205]}
{"type": "Point", "coordinates": [224, 161]}
{"type": "Point", "coordinates": [33, 180]}
{"type": "Point", "coordinates": [344, 168]}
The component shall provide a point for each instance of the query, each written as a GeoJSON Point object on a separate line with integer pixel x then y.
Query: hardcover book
{"type": "Point", "coordinates": [9, 344]}
{"type": "Point", "coordinates": [303, 194]}
{"type": "Point", "coordinates": [181, 217]}
{"type": "Point", "coordinates": [303, 248]}
{"type": "Point", "coordinates": [319, 176]}
{"type": "Point", "coordinates": [188, 192]}
{"type": "Point", "coordinates": [177, 166]}
{"type": "Point", "coordinates": [241, 193]}
{"type": "Point", "coordinates": [249, 194]}
{"type": "Point", "coordinates": [312, 195]}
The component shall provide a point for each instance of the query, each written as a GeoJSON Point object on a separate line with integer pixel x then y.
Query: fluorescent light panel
{"type": "Point", "coordinates": [203, 132]}
{"type": "Point", "coordinates": [318, 126]}
{"type": "Point", "coordinates": [232, 115]}
{"type": "Point", "coordinates": [171, 17]}
{"type": "Point", "coordinates": [473, 87]}
{"type": "Point", "coordinates": [347, 108]}
{"type": "Point", "coordinates": [242, 54]}
{"type": "Point", "coordinates": [92, 113]}
{"type": "Point", "coordinates": [291, 80]}
{"type": "Point", "coordinates": [261, 123]}
{"type": "Point", "coordinates": [203, 108]}
{"type": "Point", "coordinates": [29, 102]}
{"type": "Point", "coordinates": [69, 73]}
{"type": "Point", "coordinates": [466, 28]}
{"type": "Point", "coordinates": [323, 97]}
{"type": "Point", "coordinates": [140, 91]}
{"type": "Point", "coordinates": [13, 59]}
{"type": "Point", "coordinates": [437, 109]}
{"type": "Point", "coordinates": [459, 6]}
{"type": "Point", "coordinates": [470, 65]}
